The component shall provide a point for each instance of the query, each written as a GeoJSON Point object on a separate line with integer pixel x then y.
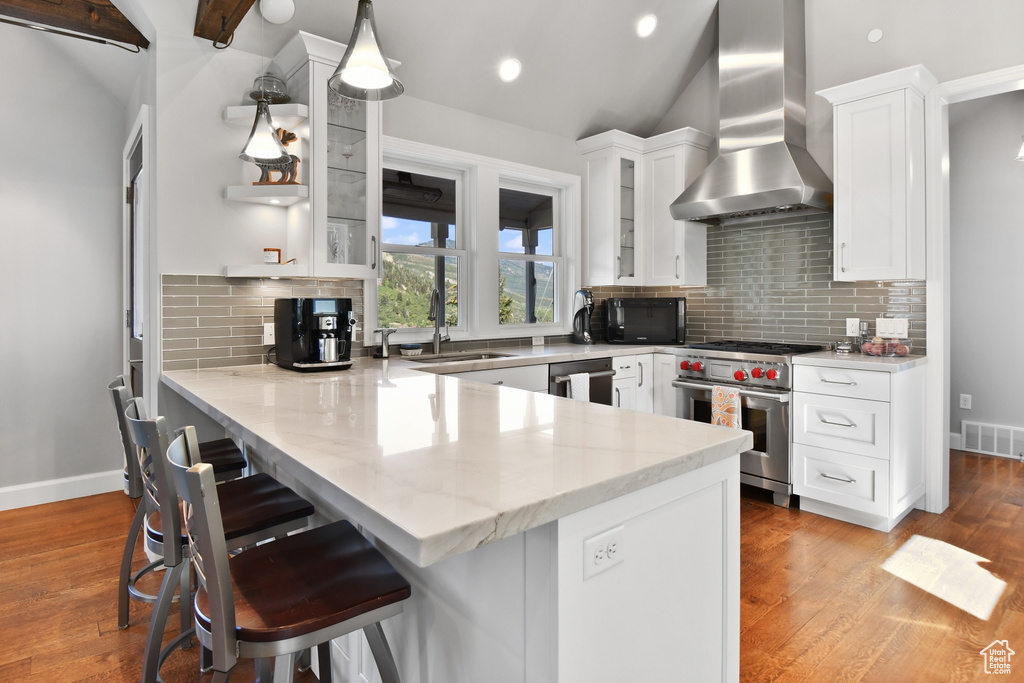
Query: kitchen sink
{"type": "Point", "coordinates": [455, 357]}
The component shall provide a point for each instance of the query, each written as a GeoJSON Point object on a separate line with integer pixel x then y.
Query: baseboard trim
{"type": "Point", "coordinates": [954, 440]}
{"type": "Point", "coordinates": [39, 492]}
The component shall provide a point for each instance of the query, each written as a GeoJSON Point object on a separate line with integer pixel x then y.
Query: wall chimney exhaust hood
{"type": "Point", "coordinates": [763, 169]}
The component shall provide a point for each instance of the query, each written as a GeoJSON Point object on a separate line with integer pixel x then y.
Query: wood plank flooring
{"type": "Point", "coordinates": [816, 604]}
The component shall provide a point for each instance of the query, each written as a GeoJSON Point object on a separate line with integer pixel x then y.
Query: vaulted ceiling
{"type": "Point", "coordinates": [584, 68]}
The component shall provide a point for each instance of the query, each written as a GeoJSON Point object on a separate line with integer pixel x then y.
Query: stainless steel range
{"type": "Point", "coordinates": [764, 372]}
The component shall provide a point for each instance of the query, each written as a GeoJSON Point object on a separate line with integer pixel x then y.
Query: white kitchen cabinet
{"type": "Point", "coordinates": [665, 395]}
{"type": "Point", "coordinates": [879, 175]}
{"type": "Point", "coordinates": [335, 231]}
{"type": "Point", "coordinates": [528, 377]}
{"type": "Point", "coordinates": [645, 379]}
{"type": "Point", "coordinates": [858, 440]}
{"type": "Point", "coordinates": [629, 236]}
{"type": "Point", "coordinates": [624, 382]}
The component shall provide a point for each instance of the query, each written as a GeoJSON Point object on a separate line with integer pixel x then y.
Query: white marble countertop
{"type": "Point", "coordinates": [860, 361]}
{"type": "Point", "coordinates": [435, 466]}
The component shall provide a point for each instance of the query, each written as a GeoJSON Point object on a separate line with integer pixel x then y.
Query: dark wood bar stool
{"type": "Point", "coordinates": [228, 463]}
{"type": "Point", "coordinates": [255, 508]}
{"type": "Point", "coordinates": [284, 596]}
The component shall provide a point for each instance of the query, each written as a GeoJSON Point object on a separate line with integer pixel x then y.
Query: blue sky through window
{"type": "Point", "coordinates": [404, 231]}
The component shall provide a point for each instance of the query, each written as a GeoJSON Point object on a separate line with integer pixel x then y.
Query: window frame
{"type": "Point", "coordinates": [477, 237]}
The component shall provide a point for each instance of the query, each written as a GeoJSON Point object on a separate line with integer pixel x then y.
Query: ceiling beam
{"type": "Point", "coordinates": [217, 20]}
{"type": "Point", "coordinates": [97, 18]}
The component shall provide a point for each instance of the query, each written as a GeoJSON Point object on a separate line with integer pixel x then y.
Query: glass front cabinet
{"type": "Point", "coordinates": [337, 232]}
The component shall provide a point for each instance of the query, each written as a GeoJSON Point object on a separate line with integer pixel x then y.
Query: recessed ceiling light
{"type": "Point", "coordinates": [646, 25]}
{"type": "Point", "coordinates": [874, 35]}
{"type": "Point", "coordinates": [510, 70]}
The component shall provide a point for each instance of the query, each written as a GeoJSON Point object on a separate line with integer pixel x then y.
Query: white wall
{"type": "Point", "coordinates": [60, 340]}
{"type": "Point", "coordinates": [986, 240]}
{"type": "Point", "coordinates": [434, 124]}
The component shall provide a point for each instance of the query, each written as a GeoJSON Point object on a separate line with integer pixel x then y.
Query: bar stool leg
{"type": "Point", "coordinates": [126, 566]}
{"type": "Point", "coordinates": [151, 657]}
{"type": "Point", "coordinates": [381, 653]}
{"type": "Point", "coordinates": [323, 654]}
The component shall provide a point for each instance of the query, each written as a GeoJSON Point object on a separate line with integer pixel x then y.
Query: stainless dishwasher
{"type": "Point", "coordinates": [599, 369]}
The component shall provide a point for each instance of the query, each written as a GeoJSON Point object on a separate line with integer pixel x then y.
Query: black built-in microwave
{"type": "Point", "coordinates": [646, 321]}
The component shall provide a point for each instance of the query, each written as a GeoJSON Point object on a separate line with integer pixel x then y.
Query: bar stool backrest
{"type": "Point", "coordinates": [121, 395]}
{"type": "Point", "coordinates": [150, 438]}
{"type": "Point", "coordinates": [197, 488]}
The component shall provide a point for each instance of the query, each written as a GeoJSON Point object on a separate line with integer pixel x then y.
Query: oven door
{"type": "Point", "coordinates": [765, 413]}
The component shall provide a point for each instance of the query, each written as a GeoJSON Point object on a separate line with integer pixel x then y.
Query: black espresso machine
{"type": "Point", "coordinates": [313, 334]}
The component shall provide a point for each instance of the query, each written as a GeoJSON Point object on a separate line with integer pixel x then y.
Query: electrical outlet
{"type": "Point", "coordinates": [603, 551]}
{"type": "Point", "coordinates": [538, 341]}
{"type": "Point", "coordinates": [268, 334]}
{"type": "Point", "coordinates": [852, 327]}
{"type": "Point", "coordinates": [965, 401]}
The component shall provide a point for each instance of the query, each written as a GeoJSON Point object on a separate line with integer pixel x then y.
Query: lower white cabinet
{"type": "Point", "coordinates": [624, 382]}
{"type": "Point", "coordinates": [633, 385]}
{"type": "Point", "coordinates": [858, 442]}
{"type": "Point", "coordinates": [665, 371]}
{"type": "Point", "coordinates": [529, 377]}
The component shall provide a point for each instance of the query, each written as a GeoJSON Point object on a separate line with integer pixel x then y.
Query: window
{"type": "Point", "coordinates": [526, 270]}
{"type": "Point", "coordinates": [419, 228]}
{"type": "Point", "coordinates": [495, 238]}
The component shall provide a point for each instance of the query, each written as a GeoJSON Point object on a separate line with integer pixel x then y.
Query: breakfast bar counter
{"type": "Point", "coordinates": [499, 505]}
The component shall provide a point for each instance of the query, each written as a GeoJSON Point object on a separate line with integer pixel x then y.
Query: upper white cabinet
{"type": "Point", "coordinates": [338, 231]}
{"type": "Point", "coordinates": [333, 224]}
{"type": "Point", "coordinates": [629, 236]}
{"type": "Point", "coordinates": [878, 144]}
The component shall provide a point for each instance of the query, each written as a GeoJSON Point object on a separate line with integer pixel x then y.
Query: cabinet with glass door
{"type": "Point", "coordinates": [338, 230]}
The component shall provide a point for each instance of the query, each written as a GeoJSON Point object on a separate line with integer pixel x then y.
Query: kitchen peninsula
{"type": "Point", "coordinates": [500, 506]}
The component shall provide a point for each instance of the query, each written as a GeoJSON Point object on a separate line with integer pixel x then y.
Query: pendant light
{"type": "Point", "coordinates": [263, 143]}
{"type": "Point", "coordinates": [364, 72]}
{"type": "Point", "coordinates": [1020, 154]}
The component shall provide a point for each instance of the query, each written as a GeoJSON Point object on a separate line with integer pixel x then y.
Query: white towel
{"type": "Point", "coordinates": [579, 386]}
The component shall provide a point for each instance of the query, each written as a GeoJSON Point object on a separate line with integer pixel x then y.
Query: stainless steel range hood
{"type": "Point", "coordinates": [763, 169]}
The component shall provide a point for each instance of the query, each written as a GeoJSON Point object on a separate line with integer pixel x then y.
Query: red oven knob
{"type": "Point", "coordinates": [740, 375]}
{"type": "Point", "coordinates": [697, 366]}
{"type": "Point", "coordinates": [772, 374]}
{"type": "Point", "coordinates": [685, 365]}
{"type": "Point", "coordinates": [756, 373]}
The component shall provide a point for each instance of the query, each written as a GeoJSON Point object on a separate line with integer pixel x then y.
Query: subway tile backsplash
{"type": "Point", "coordinates": [773, 281]}
{"type": "Point", "coordinates": [769, 281]}
{"type": "Point", "coordinates": [213, 321]}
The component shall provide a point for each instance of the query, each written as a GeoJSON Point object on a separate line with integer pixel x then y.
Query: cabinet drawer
{"type": "Point", "coordinates": [841, 382]}
{"type": "Point", "coordinates": [841, 424]}
{"type": "Point", "coordinates": [852, 481]}
{"type": "Point", "coordinates": [624, 366]}
{"type": "Point", "coordinates": [529, 377]}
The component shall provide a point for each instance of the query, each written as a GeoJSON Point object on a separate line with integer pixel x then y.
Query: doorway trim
{"type": "Point", "coordinates": [938, 230]}
{"type": "Point", "coordinates": [138, 137]}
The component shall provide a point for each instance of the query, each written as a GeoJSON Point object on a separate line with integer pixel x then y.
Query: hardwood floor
{"type": "Point", "coordinates": [816, 604]}
{"type": "Point", "coordinates": [58, 598]}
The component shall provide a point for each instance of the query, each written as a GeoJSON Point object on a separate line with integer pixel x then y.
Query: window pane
{"type": "Point", "coordinates": [525, 221]}
{"type": "Point", "coordinates": [418, 209]}
{"type": "Point", "coordinates": [404, 292]}
{"type": "Point", "coordinates": [526, 292]}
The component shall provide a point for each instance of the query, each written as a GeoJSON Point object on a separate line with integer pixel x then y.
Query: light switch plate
{"type": "Point", "coordinates": [268, 334]}
{"type": "Point", "coordinates": [883, 327]}
{"type": "Point", "coordinates": [901, 328]}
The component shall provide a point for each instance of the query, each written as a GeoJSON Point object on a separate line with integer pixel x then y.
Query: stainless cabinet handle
{"type": "Point", "coordinates": [373, 242]}
{"type": "Point", "coordinates": [837, 424]}
{"type": "Point", "coordinates": [842, 479]}
{"type": "Point", "coordinates": [832, 381]}
{"type": "Point", "coordinates": [640, 369]}
{"type": "Point", "coordinates": [677, 266]}
{"type": "Point", "coordinates": [499, 382]}
{"type": "Point", "coordinates": [618, 399]}
{"type": "Point", "coordinates": [842, 257]}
